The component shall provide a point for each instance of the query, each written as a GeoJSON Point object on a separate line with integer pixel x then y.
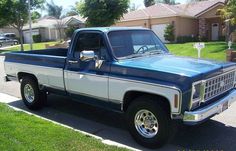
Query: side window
{"type": "Point", "coordinates": [91, 42]}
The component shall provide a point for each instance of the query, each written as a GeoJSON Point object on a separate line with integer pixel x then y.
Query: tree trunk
{"type": "Point", "coordinates": [21, 39]}
{"type": "Point", "coordinates": [60, 35]}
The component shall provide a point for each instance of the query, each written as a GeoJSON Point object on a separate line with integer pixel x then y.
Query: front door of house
{"type": "Point", "coordinates": [215, 31]}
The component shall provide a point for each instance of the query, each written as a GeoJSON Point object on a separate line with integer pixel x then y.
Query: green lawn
{"type": "Point", "coordinates": [212, 50]}
{"type": "Point", "coordinates": [20, 131]}
{"type": "Point", "coordinates": [36, 46]}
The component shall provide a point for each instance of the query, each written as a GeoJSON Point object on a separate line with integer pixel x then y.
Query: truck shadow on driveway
{"type": "Point", "coordinates": [211, 135]}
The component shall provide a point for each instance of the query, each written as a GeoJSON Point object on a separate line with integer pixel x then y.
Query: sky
{"type": "Point", "coordinates": [66, 4]}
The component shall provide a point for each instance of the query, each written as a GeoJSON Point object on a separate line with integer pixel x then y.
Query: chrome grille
{"type": "Point", "coordinates": [218, 85]}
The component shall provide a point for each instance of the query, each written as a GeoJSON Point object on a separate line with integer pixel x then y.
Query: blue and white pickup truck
{"type": "Point", "coordinates": [128, 70]}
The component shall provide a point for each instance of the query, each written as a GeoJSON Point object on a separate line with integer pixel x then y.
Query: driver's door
{"type": "Point", "coordinates": [85, 78]}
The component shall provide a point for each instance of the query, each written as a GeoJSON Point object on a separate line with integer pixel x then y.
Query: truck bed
{"type": "Point", "coordinates": [47, 65]}
{"type": "Point", "coordinates": [60, 52]}
{"type": "Point", "coordinates": [48, 57]}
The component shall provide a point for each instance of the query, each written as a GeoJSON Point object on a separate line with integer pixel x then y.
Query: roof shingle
{"type": "Point", "coordinates": [164, 10]}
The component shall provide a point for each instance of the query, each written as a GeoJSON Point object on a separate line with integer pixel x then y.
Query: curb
{"type": "Point", "coordinates": [9, 99]}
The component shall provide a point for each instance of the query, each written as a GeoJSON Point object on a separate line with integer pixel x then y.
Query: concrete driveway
{"type": "Point", "coordinates": [219, 133]}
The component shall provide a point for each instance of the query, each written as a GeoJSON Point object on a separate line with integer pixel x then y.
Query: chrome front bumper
{"type": "Point", "coordinates": [198, 116]}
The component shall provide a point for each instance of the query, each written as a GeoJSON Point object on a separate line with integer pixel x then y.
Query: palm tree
{"type": "Point", "coordinates": [148, 3]}
{"type": "Point", "coordinates": [54, 10]}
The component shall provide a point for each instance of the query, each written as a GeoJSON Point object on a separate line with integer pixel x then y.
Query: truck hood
{"type": "Point", "coordinates": [170, 68]}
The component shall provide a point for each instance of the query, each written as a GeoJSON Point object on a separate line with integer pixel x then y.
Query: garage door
{"type": "Point", "coordinates": [159, 30]}
{"type": "Point", "coordinates": [27, 35]}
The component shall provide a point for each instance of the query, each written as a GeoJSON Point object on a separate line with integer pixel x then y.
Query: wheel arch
{"type": "Point", "coordinates": [21, 75]}
{"type": "Point", "coordinates": [130, 97]}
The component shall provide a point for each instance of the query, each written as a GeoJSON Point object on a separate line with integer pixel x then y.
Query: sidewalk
{"type": "Point", "coordinates": [8, 47]}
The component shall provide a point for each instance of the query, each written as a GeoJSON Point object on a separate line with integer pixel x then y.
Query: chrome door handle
{"type": "Point", "coordinates": [73, 61]}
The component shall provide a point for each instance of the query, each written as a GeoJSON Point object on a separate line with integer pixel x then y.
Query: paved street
{"type": "Point", "coordinates": [219, 133]}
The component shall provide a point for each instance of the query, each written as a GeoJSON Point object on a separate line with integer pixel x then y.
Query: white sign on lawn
{"type": "Point", "coordinates": [230, 44]}
{"type": "Point", "coordinates": [199, 46]}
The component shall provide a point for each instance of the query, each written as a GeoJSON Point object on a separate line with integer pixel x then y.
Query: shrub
{"type": "Point", "coordinates": [37, 38]}
{"type": "Point", "coordinates": [221, 38]}
{"type": "Point", "coordinates": [169, 33]}
{"type": "Point", "coordinates": [184, 39]}
{"type": "Point", "coordinates": [69, 31]}
{"type": "Point", "coordinates": [202, 39]}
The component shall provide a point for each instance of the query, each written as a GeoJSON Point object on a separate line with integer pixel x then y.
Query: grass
{"type": "Point", "coordinates": [212, 50]}
{"type": "Point", "coordinates": [20, 131]}
{"type": "Point", "coordinates": [36, 46]}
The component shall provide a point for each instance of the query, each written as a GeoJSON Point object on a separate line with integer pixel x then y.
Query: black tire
{"type": "Point", "coordinates": [162, 116]}
{"type": "Point", "coordinates": [40, 97]}
{"type": "Point", "coordinates": [15, 43]}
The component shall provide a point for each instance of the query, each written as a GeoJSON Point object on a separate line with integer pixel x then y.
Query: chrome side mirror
{"type": "Point", "coordinates": [87, 55]}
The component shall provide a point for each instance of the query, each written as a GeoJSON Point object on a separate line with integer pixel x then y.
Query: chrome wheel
{"type": "Point", "coordinates": [29, 93]}
{"type": "Point", "coordinates": [146, 123]}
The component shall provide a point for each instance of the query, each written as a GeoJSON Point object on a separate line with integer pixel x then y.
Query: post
{"type": "Point", "coordinates": [229, 52]}
{"type": "Point", "coordinates": [199, 47]}
{"type": "Point", "coordinates": [30, 25]}
{"type": "Point", "coordinates": [199, 52]}
{"type": "Point", "coordinates": [229, 44]}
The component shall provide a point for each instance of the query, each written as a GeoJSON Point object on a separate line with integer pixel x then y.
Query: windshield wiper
{"type": "Point", "coordinates": [134, 56]}
{"type": "Point", "coordinates": [153, 52]}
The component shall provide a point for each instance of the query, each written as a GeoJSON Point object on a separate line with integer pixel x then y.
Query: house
{"type": "Point", "coordinates": [192, 19]}
{"type": "Point", "coordinates": [47, 27]}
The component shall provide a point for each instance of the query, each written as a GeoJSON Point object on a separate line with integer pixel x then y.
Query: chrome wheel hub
{"type": "Point", "coordinates": [146, 123]}
{"type": "Point", "coordinates": [29, 93]}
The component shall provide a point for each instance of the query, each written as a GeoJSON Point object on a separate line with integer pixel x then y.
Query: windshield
{"type": "Point", "coordinates": [135, 43]}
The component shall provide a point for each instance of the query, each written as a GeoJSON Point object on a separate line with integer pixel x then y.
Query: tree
{"type": "Point", "coordinates": [148, 3]}
{"type": "Point", "coordinates": [54, 10]}
{"type": "Point", "coordinates": [170, 2]}
{"type": "Point", "coordinates": [60, 25]}
{"type": "Point", "coordinates": [35, 15]}
{"type": "Point", "coordinates": [72, 11]}
{"type": "Point", "coordinates": [229, 11]}
{"type": "Point", "coordinates": [69, 31]}
{"type": "Point", "coordinates": [170, 33]}
{"type": "Point", "coordinates": [133, 7]}
{"type": "Point", "coordinates": [102, 12]}
{"type": "Point", "coordinates": [14, 13]}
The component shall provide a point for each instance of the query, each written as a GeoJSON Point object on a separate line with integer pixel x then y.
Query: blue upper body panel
{"type": "Point", "coordinates": [170, 69]}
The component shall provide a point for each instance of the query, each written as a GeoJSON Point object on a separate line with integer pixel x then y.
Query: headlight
{"type": "Point", "coordinates": [197, 94]}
